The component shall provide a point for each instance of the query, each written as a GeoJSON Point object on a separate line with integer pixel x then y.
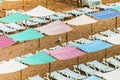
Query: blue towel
{"type": "Point", "coordinates": [94, 46]}
{"type": "Point", "coordinates": [105, 14]}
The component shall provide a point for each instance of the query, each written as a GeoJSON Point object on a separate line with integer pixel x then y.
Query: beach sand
{"type": "Point", "coordinates": [19, 49]}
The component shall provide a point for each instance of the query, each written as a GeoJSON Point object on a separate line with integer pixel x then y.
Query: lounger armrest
{"type": "Point", "coordinates": [75, 69]}
{"type": "Point", "coordinates": [115, 29]}
{"type": "Point", "coordinates": [47, 75]}
{"type": "Point", "coordinates": [46, 78]}
{"type": "Point", "coordinates": [91, 37]}
{"type": "Point", "coordinates": [104, 62]}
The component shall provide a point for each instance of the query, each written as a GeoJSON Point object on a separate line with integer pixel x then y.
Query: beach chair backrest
{"type": "Point", "coordinates": [108, 33]}
{"type": "Point", "coordinates": [71, 74]}
{"type": "Point", "coordinates": [37, 77]}
{"type": "Point", "coordinates": [100, 66]}
{"type": "Point", "coordinates": [87, 69]}
{"type": "Point", "coordinates": [94, 3]}
{"type": "Point", "coordinates": [58, 76]}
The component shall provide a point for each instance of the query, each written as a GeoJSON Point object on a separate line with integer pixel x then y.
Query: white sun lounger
{"type": "Point", "coordinates": [99, 37]}
{"type": "Point", "coordinates": [23, 56]}
{"type": "Point", "coordinates": [71, 74]}
{"type": "Point", "coordinates": [117, 3]}
{"type": "Point", "coordinates": [29, 54]}
{"type": "Point", "coordinates": [100, 66]}
{"type": "Point", "coordinates": [29, 23]}
{"type": "Point", "coordinates": [94, 3]}
{"type": "Point", "coordinates": [68, 43]}
{"type": "Point", "coordinates": [7, 30]}
{"type": "Point", "coordinates": [87, 10]}
{"type": "Point", "coordinates": [108, 33]}
{"type": "Point", "coordinates": [117, 30]}
{"type": "Point", "coordinates": [58, 76]}
{"type": "Point", "coordinates": [117, 57]}
{"type": "Point", "coordinates": [113, 62]}
{"type": "Point", "coordinates": [75, 12]}
{"type": "Point", "coordinates": [15, 26]}
{"type": "Point", "coordinates": [86, 69]}
{"type": "Point", "coordinates": [55, 17]}
{"type": "Point", "coordinates": [82, 41]}
{"type": "Point", "coordinates": [37, 77]}
{"type": "Point", "coordinates": [4, 61]}
{"type": "Point", "coordinates": [39, 20]}
{"type": "Point", "coordinates": [56, 47]}
{"type": "Point", "coordinates": [65, 15]}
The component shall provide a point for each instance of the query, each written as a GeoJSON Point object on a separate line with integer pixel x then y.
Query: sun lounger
{"type": "Point", "coordinates": [65, 15]}
{"type": "Point", "coordinates": [15, 26]}
{"type": "Point", "coordinates": [73, 44]}
{"type": "Point", "coordinates": [71, 74]}
{"type": "Point", "coordinates": [86, 69]}
{"type": "Point", "coordinates": [75, 12]}
{"type": "Point", "coordinates": [5, 29]}
{"type": "Point", "coordinates": [87, 10]}
{"type": "Point", "coordinates": [108, 33]}
{"type": "Point", "coordinates": [58, 76]}
{"type": "Point", "coordinates": [37, 77]}
{"type": "Point", "coordinates": [68, 43]}
{"type": "Point", "coordinates": [99, 37]}
{"type": "Point", "coordinates": [64, 44]}
{"type": "Point", "coordinates": [29, 23]}
{"type": "Point", "coordinates": [56, 47]}
{"type": "Point", "coordinates": [94, 3]}
{"type": "Point", "coordinates": [117, 3]}
{"type": "Point", "coordinates": [18, 59]}
{"type": "Point", "coordinates": [1, 62]}
{"type": "Point", "coordinates": [101, 67]}
{"type": "Point", "coordinates": [54, 18]}
{"type": "Point", "coordinates": [82, 41]}
{"type": "Point", "coordinates": [29, 54]}
{"type": "Point", "coordinates": [117, 30]}
{"type": "Point", "coordinates": [113, 62]}
{"type": "Point", "coordinates": [39, 20]}
{"type": "Point", "coordinates": [117, 57]}
{"type": "Point", "coordinates": [23, 56]}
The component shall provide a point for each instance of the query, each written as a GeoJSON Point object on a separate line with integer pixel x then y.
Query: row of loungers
{"type": "Point", "coordinates": [104, 34]}
{"type": "Point", "coordinates": [92, 68]}
{"type": "Point", "coordinates": [13, 27]}
{"type": "Point", "coordinates": [57, 16]}
{"type": "Point", "coordinates": [81, 11]}
{"type": "Point", "coordinates": [10, 28]}
{"type": "Point", "coordinates": [101, 36]}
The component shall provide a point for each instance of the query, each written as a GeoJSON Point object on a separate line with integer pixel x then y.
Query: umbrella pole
{"type": "Point", "coordinates": [116, 23]}
{"type": "Point", "coordinates": [39, 43]}
{"type": "Point", "coordinates": [49, 70]}
{"type": "Point", "coordinates": [46, 3]}
{"type": "Point", "coordinates": [20, 74]}
{"type": "Point", "coordinates": [70, 2]}
{"type": "Point", "coordinates": [105, 54]}
{"type": "Point", "coordinates": [77, 3]}
{"type": "Point", "coordinates": [26, 24]}
{"type": "Point", "coordinates": [66, 37]}
{"type": "Point", "coordinates": [77, 61]}
{"type": "Point", "coordinates": [23, 4]}
{"type": "Point", "coordinates": [91, 29]}
{"type": "Point", "coordinates": [81, 3]}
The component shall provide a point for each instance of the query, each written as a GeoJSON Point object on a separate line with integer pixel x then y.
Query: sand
{"type": "Point", "coordinates": [49, 41]}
